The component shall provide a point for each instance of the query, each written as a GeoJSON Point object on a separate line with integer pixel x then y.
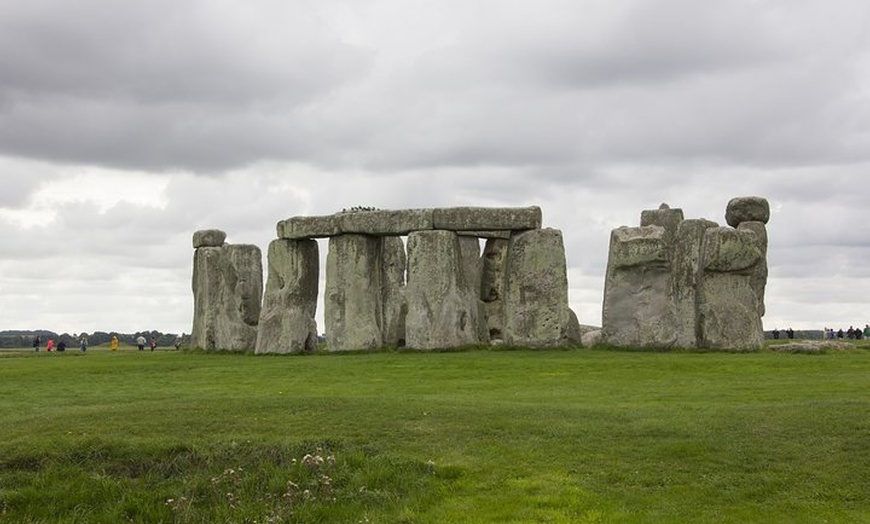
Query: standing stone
{"type": "Point", "coordinates": [287, 322]}
{"type": "Point", "coordinates": [469, 248]}
{"type": "Point", "coordinates": [536, 290]}
{"type": "Point", "coordinates": [353, 306]}
{"type": "Point", "coordinates": [686, 275]}
{"type": "Point", "coordinates": [639, 308]}
{"type": "Point", "coordinates": [442, 309]}
{"type": "Point", "coordinates": [227, 294]}
{"type": "Point", "coordinates": [664, 216]}
{"type": "Point", "coordinates": [728, 304]}
{"type": "Point", "coordinates": [395, 307]}
{"type": "Point", "coordinates": [492, 284]}
{"type": "Point", "coordinates": [759, 272]}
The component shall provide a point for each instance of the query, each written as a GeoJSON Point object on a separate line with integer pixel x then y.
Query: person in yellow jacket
{"type": "Point", "coordinates": [113, 345]}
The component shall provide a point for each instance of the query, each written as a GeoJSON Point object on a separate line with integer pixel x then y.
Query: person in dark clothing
{"type": "Point", "coordinates": [61, 346]}
{"type": "Point", "coordinates": [776, 334]}
{"type": "Point", "coordinates": [790, 333]}
{"type": "Point", "coordinates": [36, 343]}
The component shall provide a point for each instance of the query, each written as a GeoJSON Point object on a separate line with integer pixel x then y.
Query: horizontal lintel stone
{"type": "Point", "coordinates": [385, 222]}
{"type": "Point", "coordinates": [487, 218]}
{"type": "Point", "coordinates": [298, 228]}
{"type": "Point", "coordinates": [471, 221]}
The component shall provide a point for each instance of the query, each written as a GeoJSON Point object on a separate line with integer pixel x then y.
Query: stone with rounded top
{"type": "Point", "coordinates": [747, 209]}
{"type": "Point", "coordinates": [209, 238]}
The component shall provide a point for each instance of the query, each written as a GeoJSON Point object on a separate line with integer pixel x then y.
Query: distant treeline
{"type": "Point", "coordinates": [23, 339]}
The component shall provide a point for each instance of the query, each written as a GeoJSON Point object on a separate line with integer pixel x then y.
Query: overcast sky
{"type": "Point", "coordinates": [125, 127]}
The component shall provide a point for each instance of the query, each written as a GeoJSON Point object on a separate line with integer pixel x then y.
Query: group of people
{"type": "Point", "coordinates": [852, 333]}
{"type": "Point", "coordinates": [140, 343]}
{"type": "Point", "coordinates": [61, 344]}
{"type": "Point", "coordinates": [789, 333]}
{"type": "Point", "coordinates": [114, 344]}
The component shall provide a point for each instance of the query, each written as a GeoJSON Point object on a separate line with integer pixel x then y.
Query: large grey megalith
{"type": "Point", "coordinates": [227, 293]}
{"type": "Point", "coordinates": [673, 282]}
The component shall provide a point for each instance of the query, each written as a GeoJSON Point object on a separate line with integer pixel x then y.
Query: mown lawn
{"type": "Point", "coordinates": [475, 436]}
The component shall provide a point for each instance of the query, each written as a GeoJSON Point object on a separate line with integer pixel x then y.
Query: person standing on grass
{"type": "Point", "coordinates": [866, 330]}
{"type": "Point", "coordinates": [178, 341]}
{"type": "Point", "coordinates": [61, 346]}
{"type": "Point", "coordinates": [37, 341]}
{"type": "Point", "coordinates": [153, 343]}
{"type": "Point", "coordinates": [49, 345]}
{"type": "Point", "coordinates": [141, 343]}
{"type": "Point", "coordinates": [83, 342]}
{"type": "Point", "coordinates": [113, 345]}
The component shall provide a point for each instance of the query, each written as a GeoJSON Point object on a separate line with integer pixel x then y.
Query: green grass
{"type": "Point", "coordinates": [476, 436]}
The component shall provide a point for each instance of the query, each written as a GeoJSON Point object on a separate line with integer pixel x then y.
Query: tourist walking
{"type": "Point", "coordinates": [153, 343]}
{"type": "Point", "coordinates": [141, 343]}
{"type": "Point", "coordinates": [49, 345]}
{"type": "Point", "coordinates": [37, 341]}
{"type": "Point", "coordinates": [83, 342]}
{"type": "Point", "coordinates": [113, 345]}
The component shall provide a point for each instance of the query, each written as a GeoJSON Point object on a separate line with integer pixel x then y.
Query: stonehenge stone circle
{"type": "Point", "coordinates": [688, 283]}
{"type": "Point", "coordinates": [227, 293]}
{"type": "Point", "coordinates": [670, 282]}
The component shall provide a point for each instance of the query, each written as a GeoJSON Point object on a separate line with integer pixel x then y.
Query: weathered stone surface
{"type": "Point", "coordinates": [592, 338]}
{"type": "Point", "coordinates": [686, 274]}
{"type": "Point", "coordinates": [209, 238]}
{"type": "Point", "coordinates": [494, 266]}
{"type": "Point", "coordinates": [486, 219]}
{"type": "Point", "coordinates": [665, 217]}
{"type": "Point", "coordinates": [503, 234]}
{"type": "Point", "coordinates": [573, 330]}
{"type": "Point", "coordinates": [728, 304]}
{"type": "Point", "coordinates": [536, 290]}
{"type": "Point", "coordinates": [731, 250]}
{"type": "Point", "coordinates": [442, 309]}
{"type": "Point", "coordinates": [812, 346]}
{"type": "Point", "coordinates": [353, 306]}
{"type": "Point", "coordinates": [227, 294]}
{"type": "Point", "coordinates": [759, 271]}
{"type": "Point", "coordinates": [472, 264]}
{"type": "Point", "coordinates": [639, 309]}
{"type": "Point", "coordinates": [747, 209]}
{"type": "Point", "coordinates": [385, 222]}
{"type": "Point", "coordinates": [638, 246]}
{"type": "Point", "coordinates": [471, 221]}
{"type": "Point", "coordinates": [300, 228]}
{"type": "Point", "coordinates": [395, 308]}
{"type": "Point", "coordinates": [287, 322]}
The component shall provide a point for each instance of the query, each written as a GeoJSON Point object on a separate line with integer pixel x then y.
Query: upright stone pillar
{"type": "Point", "coordinates": [287, 323]}
{"type": "Point", "coordinates": [442, 309]}
{"type": "Point", "coordinates": [469, 249]}
{"type": "Point", "coordinates": [728, 303]}
{"type": "Point", "coordinates": [492, 286]}
{"type": "Point", "coordinates": [753, 213]}
{"type": "Point", "coordinates": [639, 308]}
{"type": "Point", "coordinates": [686, 275]}
{"type": "Point", "coordinates": [353, 306]}
{"type": "Point", "coordinates": [536, 291]}
{"type": "Point", "coordinates": [227, 293]}
{"type": "Point", "coordinates": [393, 278]}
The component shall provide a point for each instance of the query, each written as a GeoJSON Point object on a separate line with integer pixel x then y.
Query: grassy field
{"type": "Point", "coordinates": [476, 436]}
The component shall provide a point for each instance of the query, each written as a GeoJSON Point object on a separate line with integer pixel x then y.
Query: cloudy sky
{"type": "Point", "coordinates": [125, 127]}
